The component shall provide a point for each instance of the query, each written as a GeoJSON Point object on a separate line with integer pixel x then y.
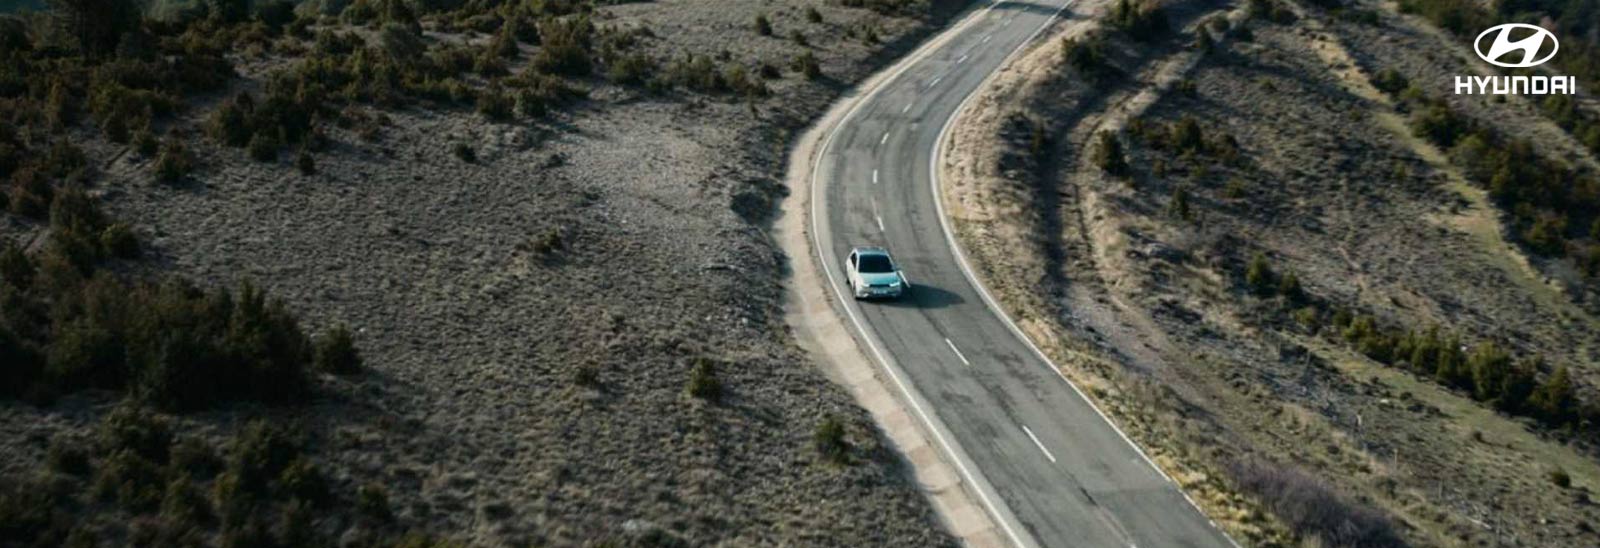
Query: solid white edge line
{"type": "Point", "coordinates": [1040, 445]}
{"type": "Point", "coordinates": [994, 306]}
{"type": "Point", "coordinates": [958, 352]}
{"type": "Point", "coordinates": [827, 273]}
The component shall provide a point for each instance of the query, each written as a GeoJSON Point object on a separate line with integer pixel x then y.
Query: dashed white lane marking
{"type": "Point", "coordinates": [986, 38]}
{"type": "Point", "coordinates": [935, 81]}
{"type": "Point", "coordinates": [885, 138]}
{"type": "Point", "coordinates": [880, 223]}
{"type": "Point", "coordinates": [877, 217]}
{"type": "Point", "coordinates": [963, 59]}
{"type": "Point", "coordinates": [957, 351]}
{"type": "Point", "coordinates": [1039, 445]}
{"type": "Point", "coordinates": [874, 176]}
{"type": "Point", "coordinates": [907, 109]}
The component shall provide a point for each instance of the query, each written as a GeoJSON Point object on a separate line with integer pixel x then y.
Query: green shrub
{"type": "Point", "coordinates": [798, 38]}
{"type": "Point", "coordinates": [263, 148]}
{"type": "Point", "coordinates": [118, 240]}
{"type": "Point", "coordinates": [183, 503]}
{"type": "Point", "coordinates": [494, 105]}
{"type": "Point", "coordinates": [174, 162]}
{"type": "Point", "coordinates": [1289, 287]}
{"type": "Point", "coordinates": [565, 47]}
{"type": "Point", "coordinates": [703, 381]}
{"type": "Point", "coordinates": [131, 428]}
{"type": "Point", "coordinates": [812, 15]}
{"type": "Point", "coordinates": [145, 143]}
{"type": "Point", "coordinates": [258, 455]}
{"type": "Point", "coordinates": [304, 162]}
{"type": "Point", "coordinates": [302, 481]}
{"type": "Point", "coordinates": [1560, 478]}
{"type": "Point", "coordinates": [464, 152]}
{"type": "Point", "coordinates": [829, 440]}
{"type": "Point", "coordinates": [230, 124]}
{"type": "Point", "coordinates": [1142, 22]}
{"type": "Point", "coordinates": [1109, 154]}
{"type": "Point", "coordinates": [192, 456]}
{"type": "Point", "coordinates": [372, 501]}
{"type": "Point", "coordinates": [763, 25]}
{"type": "Point", "coordinates": [586, 376]}
{"type": "Point", "coordinates": [1087, 57]}
{"type": "Point", "coordinates": [336, 352]}
{"type": "Point", "coordinates": [67, 455]}
{"type": "Point", "coordinates": [632, 69]}
{"type": "Point", "coordinates": [1390, 81]}
{"type": "Point", "coordinates": [1178, 207]}
{"type": "Point", "coordinates": [135, 483]}
{"type": "Point", "coordinates": [1259, 276]}
{"type": "Point", "coordinates": [806, 64]}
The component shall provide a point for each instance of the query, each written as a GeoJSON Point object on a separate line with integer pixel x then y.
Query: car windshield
{"type": "Point", "coordinates": [876, 264]}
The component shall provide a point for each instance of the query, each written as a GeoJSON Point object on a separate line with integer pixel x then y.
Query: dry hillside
{"type": "Point", "coordinates": [1251, 238]}
{"type": "Point", "coordinates": [514, 283]}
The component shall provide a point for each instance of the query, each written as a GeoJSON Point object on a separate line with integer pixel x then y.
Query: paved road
{"type": "Point", "coordinates": [1045, 462]}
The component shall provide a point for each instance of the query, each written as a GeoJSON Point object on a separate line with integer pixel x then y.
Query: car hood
{"type": "Point", "coordinates": [881, 278]}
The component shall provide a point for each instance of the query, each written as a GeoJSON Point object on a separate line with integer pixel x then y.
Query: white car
{"type": "Point", "coordinates": [872, 273]}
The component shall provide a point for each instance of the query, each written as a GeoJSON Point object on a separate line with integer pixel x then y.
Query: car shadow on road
{"type": "Point", "coordinates": [926, 296]}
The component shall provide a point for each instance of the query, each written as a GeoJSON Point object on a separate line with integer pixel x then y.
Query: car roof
{"type": "Point", "coordinates": [870, 250]}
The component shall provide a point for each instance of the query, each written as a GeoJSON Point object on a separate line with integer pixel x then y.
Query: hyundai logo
{"type": "Point", "coordinates": [1529, 45]}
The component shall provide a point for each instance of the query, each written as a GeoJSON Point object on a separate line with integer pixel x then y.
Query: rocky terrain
{"type": "Point", "coordinates": [569, 324]}
{"type": "Point", "coordinates": [1244, 236]}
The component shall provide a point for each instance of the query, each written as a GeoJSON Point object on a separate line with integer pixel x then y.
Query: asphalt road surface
{"type": "Point", "coordinates": [1043, 460]}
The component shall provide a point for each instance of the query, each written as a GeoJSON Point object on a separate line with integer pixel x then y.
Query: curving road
{"type": "Point", "coordinates": [1048, 466]}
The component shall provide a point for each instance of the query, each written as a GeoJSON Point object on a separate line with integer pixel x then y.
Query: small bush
{"type": "Point", "coordinates": [193, 456]}
{"type": "Point", "coordinates": [118, 240]}
{"type": "Point", "coordinates": [263, 148]}
{"type": "Point", "coordinates": [464, 152]}
{"type": "Point", "coordinates": [1109, 155]}
{"type": "Point", "coordinates": [798, 38]}
{"type": "Point", "coordinates": [174, 163]}
{"type": "Point", "coordinates": [1390, 81]}
{"type": "Point", "coordinates": [134, 429]}
{"type": "Point", "coordinates": [1258, 276]}
{"type": "Point", "coordinates": [1143, 22]}
{"type": "Point", "coordinates": [183, 503]}
{"type": "Point", "coordinates": [1178, 207]}
{"type": "Point", "coordinates": [828, 439]}
{"type": "Point", "coordinates": [806, 64]}
{"type": "Point", "coordinates": [68, 455]}
{"type": "Point", "coordinates": [586, 376]}
{"type": "Point", "coordinates": [812, 15]}
{"type": "Point", "coordinates": [336, 352]}
{"type": "Point", "coordinates": [494, 105]}
{"type": "Point", "coordinates": [1560, 478]}
{"type": "Point", "coordinates": [305, 162]}
{"type": "Point", "coordinates": [763, 25]}
{"type": "Point", "coordinates": [372, 501]}
{"type": "Point", "coordinates": [132, 481]}
{"type": "Point", "coordinates": [145, 143]}
{"type": "Point", "coordinates": [703, 381]}
{"type": "Point", "coordinates": [302, 481]}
